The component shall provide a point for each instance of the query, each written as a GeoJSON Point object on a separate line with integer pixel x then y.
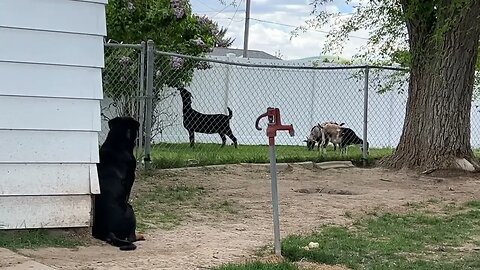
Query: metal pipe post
{"type": "Point", "coordinates": [247, 26]}
{"type": "Point", "coordinates": [141, 109]}
{"type": "Point", "coordinates": [275, 200]}
{"type": "Point", "coordinates": [365, 117]}
{"type": "Point", "coordinates": [149, 101]}
{"type": "Point", "coordinates": [227, 83]}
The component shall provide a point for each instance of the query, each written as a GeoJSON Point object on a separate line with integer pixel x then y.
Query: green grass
{"type": "Point", "coordinates": [412, 240]}
{"type": "Point", "coordinates": [33, 239]}
{"type": "Point", "coordinates": [163, 203]}
{"type": "Point", "coordinates": [223, 206]}
{"type": "Point", "coordinates": [161, 206]}
{"type": "Point", "coordinates": [258, 266]}
{"type": "Point", "coordinates": [181, 155]}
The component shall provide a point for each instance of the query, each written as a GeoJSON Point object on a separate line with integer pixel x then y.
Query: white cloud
{"type": "Point", "coordinates": [332, 8]}
{"type": "Point", "coordinates": [276, 35]}
{"type": "Point", "coordinates": [356, 2]}
{"type": "Point", "coordinates": [297, 8]}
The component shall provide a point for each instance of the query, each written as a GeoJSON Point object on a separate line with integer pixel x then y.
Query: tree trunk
{"type": "Point", "coordinates": [436, 131]}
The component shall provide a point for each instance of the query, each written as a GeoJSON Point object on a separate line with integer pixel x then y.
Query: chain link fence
{"type": "Point", "coordinates": [195, 110]}
{"type": "Point", "coordinates": [123, 86]}
{"type": "Point", "coordinates": [223, 97]}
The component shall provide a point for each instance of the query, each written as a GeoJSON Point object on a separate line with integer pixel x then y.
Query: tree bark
{"type": "Point", "coordinates": [436, 131]}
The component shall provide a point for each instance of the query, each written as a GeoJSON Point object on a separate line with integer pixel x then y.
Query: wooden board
{"type": "Point", "coordinates": [20, 212]}
{"type": "Point", "coordinates": [24, 146]}
{"type": "Point", "coordinates": [50, 113]}
{"type": "Point", "coordinates": [31, 46]}
{"type": "Point", "coordinates": [24, 79]}
{"type": "Point", "coordinates": [55, 15]}
{"type": "Point", "coordinates": [48, 179]}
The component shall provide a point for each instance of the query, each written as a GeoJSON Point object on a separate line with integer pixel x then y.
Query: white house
{"type": "Point", "coordinates": [51, 55]}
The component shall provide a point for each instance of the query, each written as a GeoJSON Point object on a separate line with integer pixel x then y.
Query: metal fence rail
{"type": "Point", "coordinates": [145, 83]}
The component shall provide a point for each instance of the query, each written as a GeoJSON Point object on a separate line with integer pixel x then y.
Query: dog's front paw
{"type": "Point", "coordinates": [139, 237]}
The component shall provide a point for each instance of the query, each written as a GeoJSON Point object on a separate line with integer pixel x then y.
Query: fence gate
{"type": "Point", "coordinates": [124, 87]}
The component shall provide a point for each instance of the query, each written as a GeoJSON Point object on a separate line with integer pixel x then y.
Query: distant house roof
{"type": "Point", "coordinates": [324, 58]}
{"type": "Point", "coordinates": [239, 52]}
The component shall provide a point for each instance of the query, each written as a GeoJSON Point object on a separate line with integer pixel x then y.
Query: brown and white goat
{"type": "Point", "coordinates": [331, 132]}
{"type": "Point", "coordinates": [315, 136]}
{"type": "Point", "coordinates": [341, 136]}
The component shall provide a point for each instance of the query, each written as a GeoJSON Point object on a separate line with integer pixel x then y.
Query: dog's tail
{"type": "Point", "coordinates": [113, 240]}
{"type": "Point", "coordinates": [230, 113]}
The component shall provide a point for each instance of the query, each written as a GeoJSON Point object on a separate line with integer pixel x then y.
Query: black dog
{"type": "Point", "coordinates": [114, 220]}
{"type": "Point", "coordinates": [194, 121]}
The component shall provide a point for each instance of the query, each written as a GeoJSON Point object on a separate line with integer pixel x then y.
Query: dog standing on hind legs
{"type": "Point", "coordinates": [114, 219]}
{"type": "Point", "coordinates": [194, 121]}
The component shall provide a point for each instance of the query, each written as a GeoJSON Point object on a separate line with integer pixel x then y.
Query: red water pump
{"type": "Point", "coordinates": [274, 124]}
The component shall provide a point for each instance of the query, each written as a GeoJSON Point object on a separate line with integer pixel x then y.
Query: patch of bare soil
{"type": "Point", "coordinates": [331, 196]}
{"type": "Point", "coordinates": [10, 259]}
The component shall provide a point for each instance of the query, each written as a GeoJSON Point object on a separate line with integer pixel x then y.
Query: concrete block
{"type": "Point", "coordinates": [334, 165]}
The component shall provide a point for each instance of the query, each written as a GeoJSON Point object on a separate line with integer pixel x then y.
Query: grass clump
{"type": "Point", "coordinates": [258, 266]}
{"type": "Point", "coordinates": [162, 206]}
{"type": "Point", "coordinates": [162, 201]}
{"type": "Point", "coordinates": [395, 241]}
{"type": "Point", "coordinates": [414, 240]}
{"type": "Point", "coordinates": [38, 238]}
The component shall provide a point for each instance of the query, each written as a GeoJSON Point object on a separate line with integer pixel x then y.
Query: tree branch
{"type": "Point", "coordinates": [420, 19]}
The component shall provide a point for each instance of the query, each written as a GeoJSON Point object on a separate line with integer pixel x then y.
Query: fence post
{"type": "Point", "coordinates": [149, 102]}
{"type": "Point", "coordinates": [227, 81]}
{"type": "Point", "coordinates": [365, 117]}
{"type": "Point", "coordinates": [141, 102]}
{"type": "Point", "coordinates": [313, 96]}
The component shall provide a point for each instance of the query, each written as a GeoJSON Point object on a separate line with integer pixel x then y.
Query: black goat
{"type": "Point", "coordinates": [348, 137]}
{"type": "Point", "coordinates": [194, 121]}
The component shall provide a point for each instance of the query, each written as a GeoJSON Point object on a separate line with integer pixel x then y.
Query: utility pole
{"type": "Point", "coordinates": [247, 25]}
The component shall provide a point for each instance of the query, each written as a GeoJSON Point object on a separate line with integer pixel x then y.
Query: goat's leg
{"type": "Point", "coordinates": [231, 136]}
{"type": "Point", "coordinates": [324, 139]}
{"type": "Point", "coordinates": [224, 139]}
{"type": "Point", "coordinates": [191, 135]}
{"type": "Point", "coordinates": [325, 144]}
{"type": "Point", "coordinates": [324, 147]}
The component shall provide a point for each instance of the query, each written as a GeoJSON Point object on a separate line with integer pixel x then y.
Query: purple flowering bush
{"type": "Point", "coordinates": [178, 8]}
{"type": "Point", "coordinates": [173, 28]}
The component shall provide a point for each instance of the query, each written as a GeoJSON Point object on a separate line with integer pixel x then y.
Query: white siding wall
{"type": "Point", "coordinates": [51, 57]}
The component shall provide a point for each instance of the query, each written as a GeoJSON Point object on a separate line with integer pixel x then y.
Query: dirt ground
{"type": "Point", "coordinates": [309, 198]}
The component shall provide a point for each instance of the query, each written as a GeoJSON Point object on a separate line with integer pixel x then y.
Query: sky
{"type": "Point", "coordinates": [271, 24]}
